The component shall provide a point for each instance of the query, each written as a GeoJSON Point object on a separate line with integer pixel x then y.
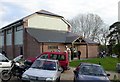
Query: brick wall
{"type": "Point", "coordinates": [60, 45]}
{"type": "Point", "coordinates": [17, 50]}
{"type": "Point", "coordinates": [32, 47]}
{"type": "Point", "coordinates": [82, 48]}
{"type": "Point", "coordinates": [9, 52]}
{"type": "Point", "coordinates": [93, 51]}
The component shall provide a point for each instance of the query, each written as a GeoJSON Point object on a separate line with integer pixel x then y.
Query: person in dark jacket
{"type": "Point", "coordinates": [4, 53]}
{"type": "Point", "coordinates": [79, 54]}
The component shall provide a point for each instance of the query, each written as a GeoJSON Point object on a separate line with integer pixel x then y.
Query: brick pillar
{"type": "Point", "coordinates": [5, 40]}
{"type": "Point", "coordinates": [13, 42]}
{"type": "Point", "coordinates": [25, 26]}
{"type": "Point", "coordinates": [24, 43]}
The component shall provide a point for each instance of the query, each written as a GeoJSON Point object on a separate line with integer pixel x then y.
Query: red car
{"type": "Point", "coordinates": [62, 57]}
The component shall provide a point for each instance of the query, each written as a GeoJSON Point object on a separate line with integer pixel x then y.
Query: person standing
{"type": "Point", "coordinates": [79, 54]}
{"type": "Point", "coordinates": [72, 53]}
{"type": "Point", "coordinates": [58, 50]}
{"type": "Point", "coordinates": [69, 53]}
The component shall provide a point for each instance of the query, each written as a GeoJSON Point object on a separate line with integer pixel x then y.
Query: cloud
{"type": "Point", "coordinates": [12, 10]}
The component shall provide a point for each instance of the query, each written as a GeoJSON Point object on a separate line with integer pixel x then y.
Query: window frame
{"type": "Point", "coordinates": [52, 47]}
{"type": "Point", "coordinates": [18, 28]}
{"type": "Point", "coordinates": [9, 31]}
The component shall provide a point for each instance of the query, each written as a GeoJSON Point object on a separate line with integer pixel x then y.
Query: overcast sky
{"type": "Point", "coordinates": [13, 10]}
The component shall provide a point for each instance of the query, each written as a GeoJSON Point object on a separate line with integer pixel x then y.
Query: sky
{"type": "Point", "coordinates": [13, 10]}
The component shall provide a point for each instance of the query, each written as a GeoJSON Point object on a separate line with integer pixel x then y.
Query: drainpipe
{"type": "Point", "coordinates": [86, 50]}
{"type": "Point", "coordinates": [42, 47]}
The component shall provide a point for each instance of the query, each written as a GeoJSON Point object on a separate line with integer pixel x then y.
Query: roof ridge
{"type": "Point", "coordinates": [47, 13]}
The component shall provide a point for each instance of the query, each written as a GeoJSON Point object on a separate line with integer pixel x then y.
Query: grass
{"type": "Point", "coordinates": [108, 63]}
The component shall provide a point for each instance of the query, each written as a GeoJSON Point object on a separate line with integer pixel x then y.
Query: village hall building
{"type": "Point", "coordinates": [43, 31]}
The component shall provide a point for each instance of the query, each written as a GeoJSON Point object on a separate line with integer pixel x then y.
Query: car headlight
{"type": "Point", "coordinates": [25, 76]}
{"type": "Point", "coordinates": [50, 79]}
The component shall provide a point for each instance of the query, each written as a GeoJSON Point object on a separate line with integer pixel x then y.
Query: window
{"type": "Point", "coordinates": [52, 47]}
{"type": "Point", "coordinates": [2, 33]}
{"type": "Point", "coordinates": [44, 56]}
{"type": "Point", "coordinates": [18, 28]}
{"type": "Point", "coordinates": [57, 57]}
{"type": "Point", "coordinates": [9, 31]}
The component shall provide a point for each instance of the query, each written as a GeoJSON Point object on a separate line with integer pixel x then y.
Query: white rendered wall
{"type": "Point", "coordinates": [47, 22]}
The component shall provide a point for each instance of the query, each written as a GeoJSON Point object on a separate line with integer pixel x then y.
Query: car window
{"type": "Point", "coordinates": [91, 70]}
{"type": "Point", "coordinates": [57, 57]}
{"type": "Point", "coordinates": [44, 56]}
{"type": "Point", "coordinates": [48, 65]}
{"type": "Point", "coordinates": [45, 65]}
{"type": "Point", "coordinates": [3, 59]}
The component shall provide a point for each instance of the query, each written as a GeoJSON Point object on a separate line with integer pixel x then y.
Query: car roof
{"type": "Point", "coordinates": [55, 52]}
{"type": "Point", "coordinates": [47, 60]}
{"type": "Point", "coordinates": [83, 63]}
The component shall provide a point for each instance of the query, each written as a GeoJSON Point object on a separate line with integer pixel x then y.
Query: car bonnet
{"type": "Point", "coordinates": [88, 77]}
{"type": "Point", "coordinates": [40, 72]}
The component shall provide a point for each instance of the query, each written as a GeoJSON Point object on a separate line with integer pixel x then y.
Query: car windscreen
{"type": "Point", "coordinates": [59, 57]}
{"type": "Point", "coordinates": [92, 70]}
{"type": "Point", "coordinates": [45, 65]}
{"type": "Point", "coordinates": [3, 58]}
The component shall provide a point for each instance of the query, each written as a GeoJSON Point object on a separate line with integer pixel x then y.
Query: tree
{"type": "Point", "coordinates": [117, 49]}
{"type": "Point", "coordinates": [115, 32]}
{"type": "Point", "coordinates": [89, 26]}
{"type": "Point", "coordinates": [115, 35]}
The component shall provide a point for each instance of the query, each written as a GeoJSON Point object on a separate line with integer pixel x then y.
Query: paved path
{"type": "Point", "coordinates": [113, 75]}
{"type": "Point", "coordinates": [68, 75]}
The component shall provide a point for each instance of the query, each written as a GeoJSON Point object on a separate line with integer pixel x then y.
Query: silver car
{"type": "Point", "coordinates": [5, 63]}
{"type": "Point", "coordinates": [43, 70]}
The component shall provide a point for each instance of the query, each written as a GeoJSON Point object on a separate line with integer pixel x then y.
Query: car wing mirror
{"type": "Point", "coordinates": [75, 72]}
{"type": "Point", "coordinates": [108, 74]}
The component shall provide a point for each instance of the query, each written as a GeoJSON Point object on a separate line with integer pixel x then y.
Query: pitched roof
{"type": "Point", "coordinates": [71, 37]}
{"type": "Point", "coordinates": [38, 12]}
{"type": "Point", "coordinates": [48, 35]}
{"type": "Point", "coordinates": [47, 13]}
{"type": "Point", "coordinates": [89, 41]}
{"type": "Point", "coordinates": [42, 35]}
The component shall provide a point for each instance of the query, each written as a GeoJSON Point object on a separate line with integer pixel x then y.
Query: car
{"type": "Point", "coordinates": [62, 57]}
{"type": "Point", "coordinates": [5, 63]}
{"type": "Point", "coordinates": [114, 55]}
{"type": "Point", "coordinates": [118, 67]}
{"type": "Point", "coordinates": [90, 72]}
{"type": "Point", "coordinates": [43, 70]}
